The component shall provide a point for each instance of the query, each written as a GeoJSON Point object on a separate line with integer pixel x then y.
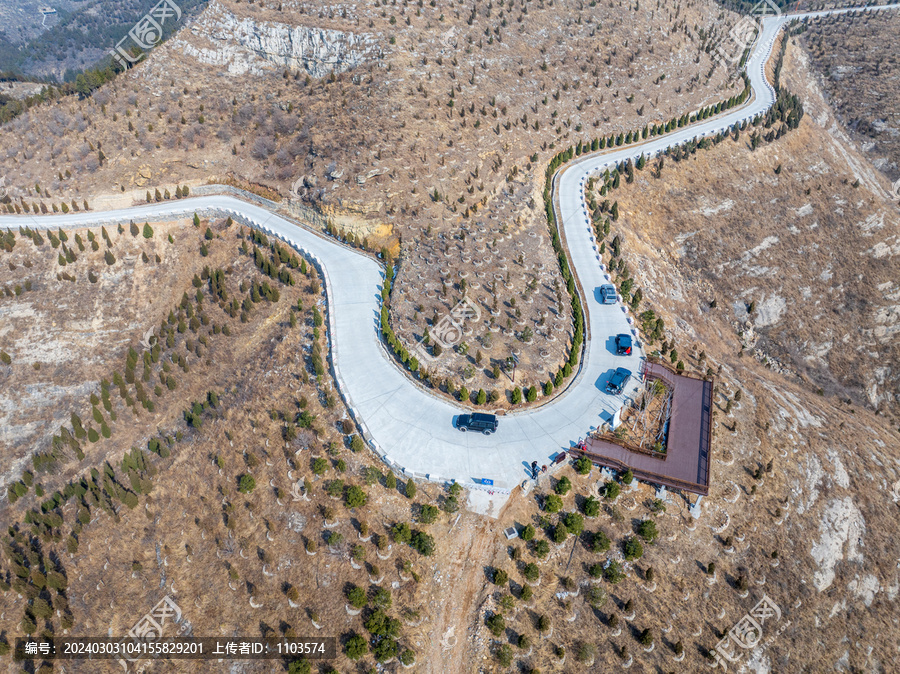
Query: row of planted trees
{"type": "Point", "coordinates": [101, 489]}
{"type": "Point", "coordinates": [33, 574]}
{"type": "Point", "coordinates": [35, 570]}
{"type": "Point", "coordinates": [35, 208]}
{"type": "Point", "coordinates": [653, 130]}
{"type": "Point", "coordinates": [530, 394]}
{"type": "Point", "coordinates": [787, 110]}
{"type": "Point", "coordinates": [84, 84]}
{"type": "Point", "coordinates": [380, 622]}
{"type": "Point", "coordinates": [191, 318]}
{"type": "Point", "coordinates": [606, 562]}
{"type": "Point", "coordinates": [181, 191]}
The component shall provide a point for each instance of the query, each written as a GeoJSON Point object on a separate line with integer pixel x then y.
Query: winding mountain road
{"type": "Point", "coordinates": [407, 426]}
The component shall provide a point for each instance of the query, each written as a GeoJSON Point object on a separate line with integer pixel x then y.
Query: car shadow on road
{"type": "Point", "coordinates": [604, 378]}
{"type": "Point", "coordinates": [598, 295]}
{"type": "Point", "coordinates": [611, 345]}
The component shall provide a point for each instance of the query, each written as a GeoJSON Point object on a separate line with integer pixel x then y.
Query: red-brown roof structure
{"type": "Point", "coordinates": [685, 465]}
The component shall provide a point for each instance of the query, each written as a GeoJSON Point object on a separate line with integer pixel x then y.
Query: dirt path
{"type": "Point", "coordinates": [475, 542]}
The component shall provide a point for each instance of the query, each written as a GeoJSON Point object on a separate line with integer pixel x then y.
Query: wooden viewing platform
{"type": "Point", "coordinates": [685, 464]}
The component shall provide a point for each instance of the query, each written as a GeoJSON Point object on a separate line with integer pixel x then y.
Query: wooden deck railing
{"type": "Point", "coordinates": [630, 446]}
{"type": "Point", "coordinates": [640, 474]}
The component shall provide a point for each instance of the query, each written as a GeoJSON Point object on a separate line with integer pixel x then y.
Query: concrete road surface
{"type": "Point", "coordinates": [408, 426]}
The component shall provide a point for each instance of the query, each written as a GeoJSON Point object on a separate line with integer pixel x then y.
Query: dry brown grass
{"type": "Point", "coordinates": [820, 480]}
{"type": "Point", "coordinates": [833, 463]}
{"type": "Point", "coordinates": [194, 536]}
{"type": "Point", "coordinates": [64, 336]}
{"type": "Point", "coordinates": [856, 61]}
{"type": "Point", "coordinates": [390, 116]}
{"type": "Point", "coordinates": [826, 505]}
{"type": "Point", "coordinates": [799, 231]}
{"type": "Point", "coordinates": [806, 476]}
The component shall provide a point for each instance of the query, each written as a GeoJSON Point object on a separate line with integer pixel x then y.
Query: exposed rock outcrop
{"type": "Point", "coordinates": [245, 45]}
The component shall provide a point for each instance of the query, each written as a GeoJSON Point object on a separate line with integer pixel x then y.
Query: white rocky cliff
{"type": "Point", "coordinates": [245, 45]}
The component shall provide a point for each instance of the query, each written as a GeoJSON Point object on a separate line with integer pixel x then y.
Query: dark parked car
{"type": "Point", "coordinates": [623, 345]}
{"type": "Point", "coordinates": [485, 423]}
{"type": "Point", "coordinates": [618, 381]}
{"type": "Point", "coordinates": [608, 294]}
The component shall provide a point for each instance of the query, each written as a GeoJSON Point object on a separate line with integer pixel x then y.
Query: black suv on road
{"type": "Point", "coordinates": [486, 423]}
{"type": "Point", "coordinates": [623, 345]}
{"type": "Point", "coordinates": [618, 381]}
